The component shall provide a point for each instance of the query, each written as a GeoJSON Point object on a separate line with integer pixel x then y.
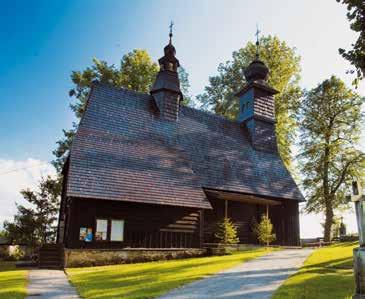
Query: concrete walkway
{"type": "Point", "coordinates": [256, 279]}
{"type": "Point", "coordinates": [50, 284]}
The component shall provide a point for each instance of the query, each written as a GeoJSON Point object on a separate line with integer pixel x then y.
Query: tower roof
{"type": "Point", "coordinates": [169, 54]}
{"type": "Point", "coordinates": [257, 70]}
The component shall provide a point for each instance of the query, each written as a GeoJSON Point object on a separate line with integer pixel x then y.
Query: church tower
{"type": "Point", "coordinates": [166, 88]}
{"type": "Point", "coordinates": [257, 106]}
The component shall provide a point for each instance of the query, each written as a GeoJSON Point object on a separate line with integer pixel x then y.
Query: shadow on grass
{"type": "Point", "coordinates": [148, 280]}
{"type": "Point", "coordinates": [12, 281]}
{"type": "Point", "coordinates": [326, 274]}
{"type": "Point", "coordinates": [340, 263]}
{"type": "Point", "coordinates": [319, 284]}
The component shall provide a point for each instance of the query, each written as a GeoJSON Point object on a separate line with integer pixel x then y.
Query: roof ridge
{"type": "Point", "coordinates": [210, 114]}
{"type": "Point", "coordinates": [109, 85]}
{"type": "Point", "coordinates": [204, 112]}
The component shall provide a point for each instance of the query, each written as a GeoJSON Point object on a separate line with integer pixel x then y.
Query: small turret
{"type": "Point", "coordinates": [166, 88]}
{"type": "Point", "coordinates": [257, 105]}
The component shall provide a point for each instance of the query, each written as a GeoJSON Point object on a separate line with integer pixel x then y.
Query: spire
{"type": "Point", "coordinates": [170, 35]}
{"type": "Point", "coordinates": [257, 70]}
{"type": "Point", "coordinates": [257, 41]}
{"type": "Point", "coordinates": [166, 88]}
{"type": "Point", "coordinates": [169, 61]}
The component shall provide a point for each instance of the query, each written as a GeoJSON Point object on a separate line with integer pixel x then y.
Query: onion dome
{"type": "Point", "coordinates": [257, 70]}
{"type": "Point", "coordinates": [169, 61]}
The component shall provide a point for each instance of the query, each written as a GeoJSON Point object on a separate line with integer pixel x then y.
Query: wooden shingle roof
{"type": "Point", "coordinates": [124, 151]}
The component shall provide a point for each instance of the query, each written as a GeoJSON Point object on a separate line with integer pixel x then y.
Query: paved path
{"type": "Point", "coordinates": [255, 279]}
{"type": "Point", "coordinates": [50, 284]}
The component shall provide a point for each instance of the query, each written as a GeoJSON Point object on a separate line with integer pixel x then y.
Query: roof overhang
{"type": "Point", "coordinates": [241, 197]}
{"type": "Point", "coordinates": [256, 84]}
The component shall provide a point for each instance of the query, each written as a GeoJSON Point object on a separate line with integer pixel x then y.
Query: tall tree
{"type": "Point", "coordinates": [330, 123]}
{"type": "Point", "coordinates": [284, 65]}
{"type": "Point", "coordinates": [356, 55]}
{"type": "Point", "coordinates": [34, 225]}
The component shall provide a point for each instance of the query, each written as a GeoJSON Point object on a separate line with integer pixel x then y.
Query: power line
{"type": "Point", "coordinates": [24, 168]}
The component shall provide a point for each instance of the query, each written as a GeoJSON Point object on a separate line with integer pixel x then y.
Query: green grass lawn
{"type": "Point", "coordinates": [149, 280]}
{"type": "Point", "coordinates": [13, 282]}
{"type": "Point", "coordinates": [327, 273]}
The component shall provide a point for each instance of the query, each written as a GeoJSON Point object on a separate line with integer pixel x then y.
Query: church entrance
{"type": "Point", "coordinates": [244, 210]}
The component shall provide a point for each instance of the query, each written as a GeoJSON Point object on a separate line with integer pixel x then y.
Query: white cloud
{"type": "Point", "coordinates": [15, 176]}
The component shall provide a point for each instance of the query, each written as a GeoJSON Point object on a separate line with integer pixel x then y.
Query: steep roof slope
{"type": "Point", "coordinates": [123, 150]}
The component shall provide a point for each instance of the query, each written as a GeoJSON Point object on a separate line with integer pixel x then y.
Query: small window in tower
{"type": "Point", "coordinates": [171, 66]}
{"type": "Point", "coordinates": [247, 105]}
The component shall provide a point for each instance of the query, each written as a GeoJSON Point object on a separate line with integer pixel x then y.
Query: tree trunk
{"type": "Point", "coordinates": [328, 221]}
{"type": "Point", "coordinates": [326, 194]}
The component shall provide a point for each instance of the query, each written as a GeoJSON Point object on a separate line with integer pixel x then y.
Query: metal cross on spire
{"type": "Point", "coordinates": [257, 41]}
{"type": "Point", "coordinates": [171, 25]}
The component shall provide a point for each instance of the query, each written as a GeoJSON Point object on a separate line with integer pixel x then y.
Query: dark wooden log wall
{"type": "Point", "coordinates": [285, 219]}
{"type": "Point", "coordinates": [146, 226]}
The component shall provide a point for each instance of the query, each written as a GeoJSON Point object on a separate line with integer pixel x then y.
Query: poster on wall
{"type": "Point", "coordinates": [83, 233]}
{"type": "Point", "coordinates": [101, 230]}
{"type": "Point", "coordinates": [89, 235]}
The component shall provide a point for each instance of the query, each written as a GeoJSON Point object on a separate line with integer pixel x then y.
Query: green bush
{"type": "Point", "coordinates": [264, 231]}
{"type": "Point", "coordinates": [227, 232]}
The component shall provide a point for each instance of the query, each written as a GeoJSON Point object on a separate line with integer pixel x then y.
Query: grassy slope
{"type": "Point", "coordinates": [149, 280]}
{"type": "Point", "coordinates": [13, 281]}
{"type": "Point", "coordinates": [327, 273]}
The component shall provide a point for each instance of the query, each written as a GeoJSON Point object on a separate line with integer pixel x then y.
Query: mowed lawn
{"type": "Point", "coordinates": [13, 282]}
{"type": "Point", "coordinates": [327, 273]}
{"type": "Point", "coordinates": [149, 280]}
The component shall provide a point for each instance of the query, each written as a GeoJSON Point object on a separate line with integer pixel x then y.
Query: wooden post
{"type": "Point", "coordinates": [226, 208]}
{"type": "Point", "coordinates": [225, 217]}
{"type": "Point", "coordinates": [267, 216]}
{"type": "Point", "coordinates": [201, 229]}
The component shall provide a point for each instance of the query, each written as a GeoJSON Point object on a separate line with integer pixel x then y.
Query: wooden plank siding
{"type": "Point", "coordinates": [157, 226]}
{"type": "Point", "coordinates": [241, 214]}
{"type": "Point", "coordinates": [145, 225]}
{"type": "Point", "coordinates": [285, 219]}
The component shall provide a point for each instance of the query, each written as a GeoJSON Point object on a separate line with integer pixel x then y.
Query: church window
{"type": "Point", "coordinates": [109, 230]}
{"type": "Point", "coordinates": [117, 230]}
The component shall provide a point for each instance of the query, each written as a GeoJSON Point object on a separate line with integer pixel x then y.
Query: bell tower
{"type": "Point", "coordinates": [257, 105]}
{"type": "Point", "coordinates": [166, 88]}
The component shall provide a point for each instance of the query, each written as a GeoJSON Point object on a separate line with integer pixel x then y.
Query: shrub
{"type": "Point", "coordinates": [265, 233]}
{"type": "Point", "coordinates": [227, 232]}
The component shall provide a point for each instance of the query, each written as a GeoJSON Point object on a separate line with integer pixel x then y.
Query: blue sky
{"type": "Point", "coordinates": [43, 41]}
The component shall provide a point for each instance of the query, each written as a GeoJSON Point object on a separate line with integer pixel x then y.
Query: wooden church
{"type": "Point", "coordinates": [145, 171]}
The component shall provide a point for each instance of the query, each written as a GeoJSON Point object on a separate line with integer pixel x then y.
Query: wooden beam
{"type": "Point", "coordinates": [245, 198]}
{"type": "Point", "coordinates": [225, 208]}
